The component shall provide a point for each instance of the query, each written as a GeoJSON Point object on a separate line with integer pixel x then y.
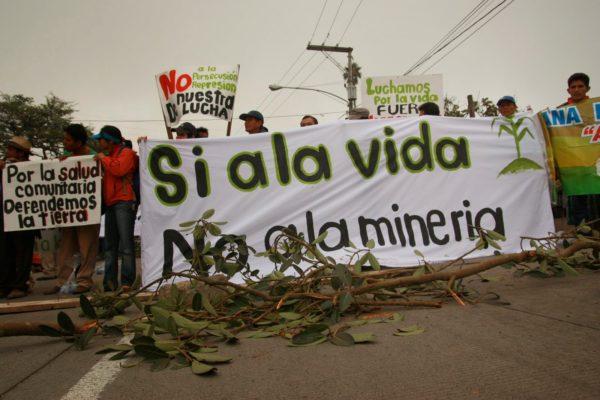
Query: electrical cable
{"type": "Point", "coordinates": [448, 34]}
{"type": "Point", "coordinates": [300, 84]}
{"type": "Point", "coordinates": [467, 38]}
{"type": "Point", "coordinates": [288, 83]}
{"type": "Point", "coordinates": [459, 35]}
{"type": "Point", "coordinates": [318, 20]}
{"type": "Point", "coordinates": [349, 22]}
{"type": "Point", "coordinates": [333, 22]}
{"type": "Point", "coordinates": [282, 77]}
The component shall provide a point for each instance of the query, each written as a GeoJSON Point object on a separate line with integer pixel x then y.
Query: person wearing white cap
{"type": "Point", "coordinates": [16, 248]}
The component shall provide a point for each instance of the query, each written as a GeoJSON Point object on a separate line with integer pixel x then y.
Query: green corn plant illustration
{"type": "Point", "coordinates": [513, 128]}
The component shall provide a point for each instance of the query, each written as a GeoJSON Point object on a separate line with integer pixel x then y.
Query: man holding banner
{"type": "Point", "coordinates": [83, 238]}
{"type": "Point", "coordinates": [573, 130]}
{"type": "Point", "coordinates": [16, 248]}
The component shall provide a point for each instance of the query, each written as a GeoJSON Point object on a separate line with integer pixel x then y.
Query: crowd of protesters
{"type": "Point", "coordinates": [121, 198]}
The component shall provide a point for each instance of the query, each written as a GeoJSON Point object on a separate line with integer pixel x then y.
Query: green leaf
{"type": "Point", "coordinates": [316, 342]}
{"type": "Point", "coordinates": [365, 337]}
{"type": "Point", "coordinates": [419, 254]}
{"type": "Point", "coordinates": [567, 268]}
{"type": "Point", "coordinates": [172, 327]}
{"type": "Point", "coordinates": [214, 229]}
{"type": "Point", "coordinates": [361, 261]}
{"type": "Point", "coordinates": [209, 349]}
{"type": "Point", "coordinates": [199, 368]}
{"type": "Point", "coordinates": [161, 317]}
{"type": "Point", "coordinates": [409, 331]}
{"type": "Point", "coordinates": [87, 307]}
{"type": "Point", "coordinates": [137, 303]}
{"type": "Point", "coordinates": [82, 341]}
{"type": "Point", "coordinates": [343, 274]}
{"type": "Point", "coordinates": [260, 335]}
{"type": "Point", "coordinates": [208, 306]}
{"type": "Point", "coordinates": [210, 358]}
{"type": "Point", "coordinates": [187, 224]}
{"type": "Point", "coordinates": [119, 320]}
{"type": "Point", "coordinates": [373, 261]}
{"type": "Point", "coordinates": [346, 300]}
{"type": "Point", "coordinates": [342, 339]}
{"type": "Point", "coordinates": [320, 238]}
{"type": "Point", "coordinates": [370, 244]}
{"type": "Point", "coordinates": [115, 348]}
{"type": "Point", "coordinates": [197, 302]}
{"type": "Point", "coordinates": [192, 326]}
{"type": "Point", "coordinates": [167, 345]}
{"type": "Point", "coordinates": [149, 352]}
{"type": "Point", "coordinates": [160, 364]}
{"type": "Point", "coordinates": [495, 235]}
{"type": "Point", "coordinates": [143, 340]}
{"type": "Point", "coordinates": [307, 337]}
{"type": "Point", "coordinates": [291, 316]}
{"type": "Point", "coordinates": [65, 322]}
{"type": "Point", "coordinates": [49, 331]}
{"type": "Point", "coordinates": [208, 213]}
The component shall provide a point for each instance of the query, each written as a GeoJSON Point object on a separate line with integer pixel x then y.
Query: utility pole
{"type": "Point", "coordinates": [350, 86]}
{"type": "Point", "coordinates": [471, 106]}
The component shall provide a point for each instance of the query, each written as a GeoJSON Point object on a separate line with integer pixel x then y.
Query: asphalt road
{"type": "Point", "coordinates": [544, 345]}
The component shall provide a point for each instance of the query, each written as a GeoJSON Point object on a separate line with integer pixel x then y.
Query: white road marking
{"type": "Point", "coordinates": [96, 379]}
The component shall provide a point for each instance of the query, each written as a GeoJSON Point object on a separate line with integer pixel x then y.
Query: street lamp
{"type": "Point", "coordinates": [274, 87]}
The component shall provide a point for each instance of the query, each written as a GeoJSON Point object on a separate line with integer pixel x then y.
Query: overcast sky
{"type": "Point", "coordinates": [103, 55]}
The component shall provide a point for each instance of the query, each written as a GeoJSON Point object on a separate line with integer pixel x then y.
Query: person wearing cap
{"type": "Point", "coordinates": [507, 106]}
{"type": "Point", "coordinates": [359, 113]}
{"type": "Point", "coordinates": [16, 248]}
{"type": "Point", "coordinates": [428, 108]}
{"type": "Point", "coordinates": [185, 131]}
{"type": "Point", "coordinates": [254, 122]}
{"type": "Point", "coordinates": [308, 120]}
{"type": "Point", "coordinates": [118, 163]}
{"type": "Point", "coordinates": [82, 239]}
{"type": "Point", "coordinates": [584, 207]}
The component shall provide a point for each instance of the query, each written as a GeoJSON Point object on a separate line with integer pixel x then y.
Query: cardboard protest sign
{"type": "Point", "coordinates": [51, 193]}
{"type": "Point", "coordinates": [399, 96]}
{"type": "Point", "coordinates": [409, 184]}
{"type": "Point", "coordinates": [573, 134]}
{"type": "Point", "coordinates": [197, 91]}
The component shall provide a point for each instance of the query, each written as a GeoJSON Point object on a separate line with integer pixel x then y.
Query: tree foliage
{"type": "Point", "coordinates": [41, 123]}
{"type": "Point", "coordinates": [483, 108]}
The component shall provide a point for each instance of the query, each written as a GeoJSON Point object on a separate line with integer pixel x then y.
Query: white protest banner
{"type": "Point", "coordinates": [204, 91]}
{"type": "Point", "coordinates": [399, 96]}
{"type": "Point", "coordinates": [409, 184]}
{"type": "Point", "coordinates": [51, 193]}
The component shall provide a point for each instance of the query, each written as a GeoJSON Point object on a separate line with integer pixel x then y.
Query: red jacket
{"type": "Point", "coordinates": [119, 167]}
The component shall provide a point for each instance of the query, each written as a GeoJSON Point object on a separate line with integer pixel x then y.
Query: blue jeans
{"type": "Point", "coordinates": [118, 235]}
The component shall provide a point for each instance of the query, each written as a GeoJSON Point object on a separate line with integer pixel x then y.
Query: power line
{"type": "Point", "coordinates": [300, 84]}
{"type": "Point", "coordinates": [467, 38]}
{"type": "Point", "coordinates": [459, 35]}
{"type": "Point", "coordinates": [282, 77]}
{"type": "Point", "coordinates": [349, 22]}
{"type": "Point", "coordinates": [270, 93]}
{"type": "Point", "coordinates": [333, 22]}
{"type": "Point", "coordinates": [318, 20]}
{"type": "Point", "coordinates": [290, 80]}
{"type": "Point", "coordinates": [448, 35]}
